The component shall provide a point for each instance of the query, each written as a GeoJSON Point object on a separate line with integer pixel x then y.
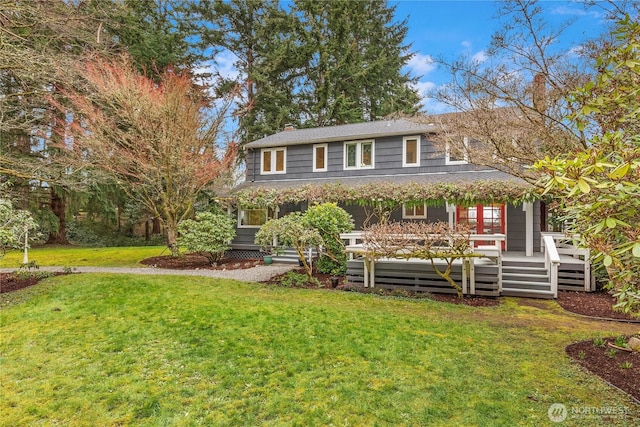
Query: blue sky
{"type": "Point", "coordinates": [451, 28]}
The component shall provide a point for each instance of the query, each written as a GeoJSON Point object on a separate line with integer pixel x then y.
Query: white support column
{"type": "Point", "coordinates": [451, 210]}
{"type": "Point", "coordinates": [527, 207]}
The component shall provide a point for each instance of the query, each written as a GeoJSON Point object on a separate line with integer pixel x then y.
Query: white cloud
{"type": "Point", "coordinates": [421, 64]}
{"type": "Point", "coordinates": [423, 88]}
{"type": "Point", "coordinates": [466, 44]}
{"type": "Point", "coordinates": [480, 57]}
{"type": "Point", "coordinates": [576, 11]}
{"type": "Point", "coordinates": [222, 64]}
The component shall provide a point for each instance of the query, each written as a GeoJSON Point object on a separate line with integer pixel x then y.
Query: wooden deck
{"type": "Point", "coordinates": [496, 273]}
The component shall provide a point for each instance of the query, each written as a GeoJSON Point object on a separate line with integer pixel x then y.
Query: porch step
{"type": "Point", "coordinates": [522, 263]}
{"type": "Point", "coordinates": [522, 285]}
{"type": "Point", "coordinates": [540, 276]}
{"type": "Point", "coordinates": [527, 293]}
{"type": "Point", "coordinates": [511, 269]}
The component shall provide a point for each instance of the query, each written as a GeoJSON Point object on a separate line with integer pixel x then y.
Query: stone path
{"type": "Point", "coordinates": [260, 273]}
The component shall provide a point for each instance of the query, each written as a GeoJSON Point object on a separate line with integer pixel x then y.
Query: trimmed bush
{"type": "Point", "coordinates": [210, 234]}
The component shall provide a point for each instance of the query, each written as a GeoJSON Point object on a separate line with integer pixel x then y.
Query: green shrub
{"type": "Point", "coordinates": [292, 279]}
{"type": "Point", "coordinates": [210, 234]}
{"type": "Point", "coordinates": [331, 220]}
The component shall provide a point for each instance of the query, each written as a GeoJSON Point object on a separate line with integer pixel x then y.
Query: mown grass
{"type": "Point", "coordinates": [74, 256]}
{"type": "Point", "coordinates": [154, 350]}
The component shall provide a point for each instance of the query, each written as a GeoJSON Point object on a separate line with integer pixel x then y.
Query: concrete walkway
{"type": "Point", "coordinates": [260, 273]}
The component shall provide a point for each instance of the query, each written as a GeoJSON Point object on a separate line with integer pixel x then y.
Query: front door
{"type": "Point", "coordinates": [483, 219]}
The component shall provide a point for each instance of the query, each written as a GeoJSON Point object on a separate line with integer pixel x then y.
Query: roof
{"type": "Point", "coordinates": [420, 178]}
{"type": "Point", "coordinates": [343, 133]}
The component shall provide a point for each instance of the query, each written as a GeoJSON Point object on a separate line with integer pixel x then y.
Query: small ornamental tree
{"type": "Point", "coordinates": [292, 230]}
{"type": "Point", "coordinates": [437, 240]}
{"type": "Point", "coordinates": [15, 225]}
{"type": "Point", "coordinates": [331, 220]}
{"type": "Point", "coordinates": [209, 234]}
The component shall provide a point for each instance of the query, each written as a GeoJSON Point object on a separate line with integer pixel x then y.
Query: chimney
{"type": "Point", "coordinates": [289, 126]}
{"type": "Point", "coordinates": [540, 93]}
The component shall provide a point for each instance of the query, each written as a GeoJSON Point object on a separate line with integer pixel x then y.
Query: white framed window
{"type": "Point", "coordinates": [359, 155]}
{"type": "Point", "coordinates": [457, 158]}
{"type": "Point", "coordinates": [410, 151]}
{"type": "Point", "coordinates": [414, 211]}
{"type": "Point", "coordinates": [273, 160]}
{"type": "Point", "coordinates": [253, 218]}
{"type": "Point", "coordinates": [320, 157]}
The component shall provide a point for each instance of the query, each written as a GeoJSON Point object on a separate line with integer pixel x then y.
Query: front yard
{"type": "Point", "coordinates": [121, 350]}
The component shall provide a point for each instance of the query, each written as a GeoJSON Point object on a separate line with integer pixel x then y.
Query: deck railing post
{"type": "Point", "coordinates": [551, 262]}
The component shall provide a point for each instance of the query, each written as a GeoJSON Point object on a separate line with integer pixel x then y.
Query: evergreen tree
{"type": "Point", "coordinates": [355, 55]}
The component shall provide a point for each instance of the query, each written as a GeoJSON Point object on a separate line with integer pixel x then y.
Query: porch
{"type": "Point", "coordinates": [489, 271]}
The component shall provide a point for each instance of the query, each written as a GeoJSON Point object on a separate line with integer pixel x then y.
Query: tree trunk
{"type": "Point", "coordinates": [58, 207]}
{"type": "Point", "coordinates": [172, 241]}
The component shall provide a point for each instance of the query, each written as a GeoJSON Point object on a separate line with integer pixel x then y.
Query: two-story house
{"type": "Point", "coordinates": [295, 165]}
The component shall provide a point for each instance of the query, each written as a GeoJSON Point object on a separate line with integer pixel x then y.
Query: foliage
{"type": "Point", "coordinates": [209, 233]}
{"type": "Point", "coordinates": [600, 185]}
{"type": "Point", "coordinates": [354, 54]}
{"type": "Point", "coordinates": [389, 195]}
{"type": "Point", "coordinates": [156, 140]}
{"type": "Point", "coordinates": [14, 223]}
{"type": "Point", "coordinates": [292, 279]}
{"type": "Point", "coordinates": [292, 230]}
{"type": "Point", "coordinates": [309, 63]}
{"type": "Point", "coordinates": [330, 220]}
{"type": "Point", "coordinates": [432, 241]}
{"type": "Point", "coordinates": [177, 351]}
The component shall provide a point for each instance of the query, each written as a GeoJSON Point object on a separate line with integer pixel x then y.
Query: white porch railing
{"type": "Point", "coordinates": [551, 262]}
{"type": "Point", "coordinates": [564, 245]}
{"type": "Point", "coordinates": [485, 245]}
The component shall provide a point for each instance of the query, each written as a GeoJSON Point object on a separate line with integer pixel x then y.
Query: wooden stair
{"type": "Point", "coordinates": [526, 278]}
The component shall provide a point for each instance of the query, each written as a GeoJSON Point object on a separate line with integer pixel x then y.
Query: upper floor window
{"type": "Point", "coordinates": [411, 151]}
{"type": "Point", "coordinates": [414, 211]}
{"type": "Point", "coordinates": [358, 155]}
{"type": "Point", "coordinates": [273, 160]}
{"type": "Point", "coordinates": [320, 157]}
{"type": "Point", "coordinates": [455, 156]}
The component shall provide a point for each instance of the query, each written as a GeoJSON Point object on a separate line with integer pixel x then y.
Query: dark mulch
{"type": "Point", "coordinates": [10, 282]}
{"type": "Point", "coordinates": [620, 368]}
{"type": "Point", "coordinates": [594, 304]}
{"type": "Point", "coordinates": [196, 261]}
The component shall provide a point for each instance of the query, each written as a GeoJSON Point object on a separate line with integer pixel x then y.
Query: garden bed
{"type": "Point", "coordinates": [618, 367]}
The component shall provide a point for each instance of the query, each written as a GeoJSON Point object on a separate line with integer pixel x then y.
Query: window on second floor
{"type": "Point", "coordinates": [320, 157]}
{"type": "Point", "coordinates": [273, 160]}
{"type": "Point", "coordinates": [414, 211]}
{"type": "Point", "coordinates": [411, 151]}
{"type": "Point", "coordinates": [454, 157]}
{"type": "Point", "coordinates": [359, 155]}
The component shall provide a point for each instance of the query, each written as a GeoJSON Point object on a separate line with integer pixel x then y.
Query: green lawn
{"type": "Point", "coordinates": [75, 256]}
{"type": "Point", "coordinates": [155, 350]}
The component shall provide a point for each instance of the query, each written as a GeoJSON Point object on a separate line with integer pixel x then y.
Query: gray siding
{"type": "Point", "coordinates": [387, 160]}
{"type": "Point", "coordinates": [516, 228]}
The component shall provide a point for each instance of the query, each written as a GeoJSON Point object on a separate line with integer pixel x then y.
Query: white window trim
{"type": "Point", "coordinates": [407, 216]}
{"type": "Point", "coordinates": [358, 145]}
{"type": "Point", "coordinates": [273, 161]}
{"type": "Point", "coordinates": [326, 157]}
{"type": "Point", "coordinates": [447, 158]}
{"type": "Point", "coordinates": [404, 151]}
